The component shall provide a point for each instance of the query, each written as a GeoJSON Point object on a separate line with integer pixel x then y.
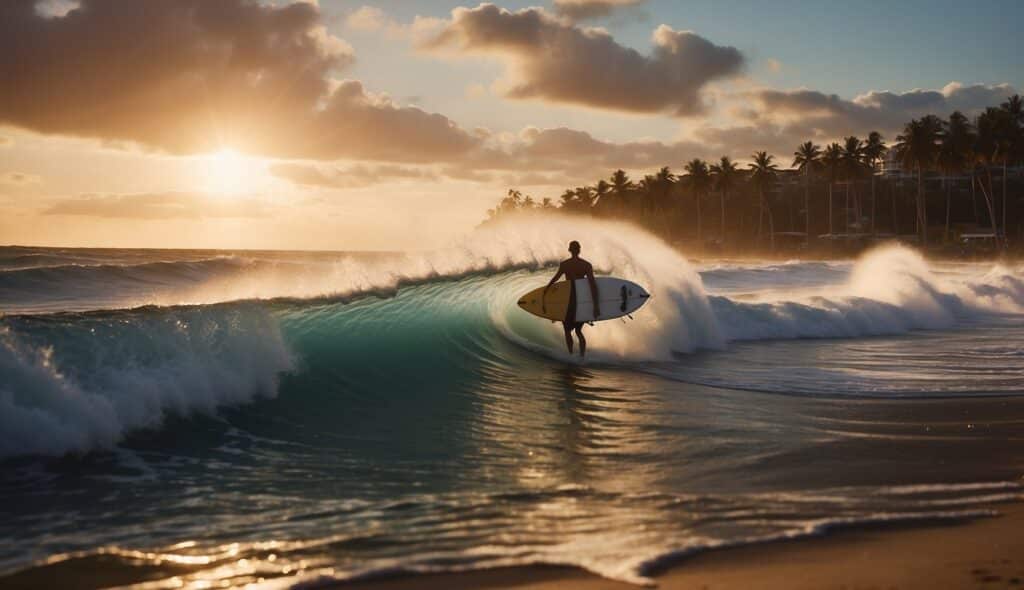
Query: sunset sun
{"type": "Point", "coordinates": [229, 172]}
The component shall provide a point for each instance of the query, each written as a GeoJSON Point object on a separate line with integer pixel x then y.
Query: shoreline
{"type": "Point", "coordinates": [984, 552]}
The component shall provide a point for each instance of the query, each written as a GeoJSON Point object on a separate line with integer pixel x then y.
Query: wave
{"type": "Point", "coordinates": [230, 327]}
{"type": "Point", "coordinates": [76, 383]}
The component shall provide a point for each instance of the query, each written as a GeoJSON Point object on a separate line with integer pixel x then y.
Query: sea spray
{"type": "Point", "coordinates": [81, 382]}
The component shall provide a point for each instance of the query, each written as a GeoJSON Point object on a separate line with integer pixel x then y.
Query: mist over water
{"type": "Point", "coordinates": [167, 414]}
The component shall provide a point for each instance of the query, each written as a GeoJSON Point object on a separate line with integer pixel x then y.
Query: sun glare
{"type": "Point", "coordinates": [229, 172]}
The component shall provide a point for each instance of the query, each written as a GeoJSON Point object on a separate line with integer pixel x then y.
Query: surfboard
{"type": "Point", "coordinates": [616, 298]}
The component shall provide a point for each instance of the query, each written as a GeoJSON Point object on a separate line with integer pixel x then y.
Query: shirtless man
{"type": "Point", "coordinates": [575, 268]}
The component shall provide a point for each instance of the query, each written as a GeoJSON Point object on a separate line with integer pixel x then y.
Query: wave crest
{"type": "Point", "coordinates": [115, 373]}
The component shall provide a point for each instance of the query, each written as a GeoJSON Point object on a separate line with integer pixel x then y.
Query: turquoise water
{"type": "Point", "coordinates": [250, 425]}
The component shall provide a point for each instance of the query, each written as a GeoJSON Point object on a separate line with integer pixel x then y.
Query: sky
{"type": "Point", "coordinates": [395, 125]}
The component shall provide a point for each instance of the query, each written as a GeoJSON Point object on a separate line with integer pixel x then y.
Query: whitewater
{"type": "Point", "coordinates": [327, 415]}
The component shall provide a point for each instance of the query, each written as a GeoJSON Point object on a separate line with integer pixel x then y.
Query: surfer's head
{"type": "Point", "coordinates": [574, 248]}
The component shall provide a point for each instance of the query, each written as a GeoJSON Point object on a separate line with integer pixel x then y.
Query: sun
{"type": "Point", "coordinates": [228, 172]}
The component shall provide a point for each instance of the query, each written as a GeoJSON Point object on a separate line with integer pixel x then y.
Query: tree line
{"type": "Point", "coordinates": [956, 170]}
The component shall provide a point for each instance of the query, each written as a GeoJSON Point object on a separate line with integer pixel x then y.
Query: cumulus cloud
{"type": "Point", "coordinates": [359, 125]}
{"type": "Point", "coordinates": [875, 109]}
{"type": "Point", "coordinates": [351, 177]}
{"type": "Point", "coordinates": [778, 120]}
{"type": "Point", "coordinates": [587, 9]}
{"type": "Point", "coordinates": [552, 59]}
{"type": "Point", "coordinates": [366, 18]}
{"type": "Point", "coordinates": [169, 205]}
{"type": "Point", "coordinates": [373, 19]}
{"type": "Point", "coordinates": [192, 76]}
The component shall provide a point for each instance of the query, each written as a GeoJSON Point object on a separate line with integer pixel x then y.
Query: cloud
{"type": "Point", "coordinates": [577, 10]}
{"type": "Point", "coordinates": [359, 125]}
{"type": "Point", "coordinates": [158, 206]}
{"type": "Point", "coordinates": [875, 109]}
{"type": "Point", "coordinates": [370, 19]}
{"type": "Point", "coordinates": [542, 156]}
{"type": "Point", "coordinates": [537, 179]}
{"type": "Point", "coordinates": [18, 178]}
{"type": "Point", "coordinates": [55, 8]}
{"type": "Point", "coordinates": [554, 60]}
{"type": "Point", "coordinates": [366, 18]}
{"type": "Point", "coordinates": [350, 177]}
{"type": "Point", "coordinates": [195, 76]}
{"type": "Point", "coordinates": [779, 120]}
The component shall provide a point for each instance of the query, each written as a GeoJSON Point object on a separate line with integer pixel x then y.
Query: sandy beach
{"type": "Point", "coordinates": [980, 553]}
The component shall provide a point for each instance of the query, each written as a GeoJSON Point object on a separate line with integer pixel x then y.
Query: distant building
{"type": "Point", "coordinates": [891, 167]}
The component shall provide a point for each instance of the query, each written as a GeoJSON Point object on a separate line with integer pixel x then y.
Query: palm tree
{"type": "Point", "coordinates": [568, 198]}
{"type": "Point", "coordinates": [724, 173]}
{"type": "Point", "coordinates": [987, 144]}
{"type": "Point", "coordinates": [874, 149]}
{"type": "Point", "coordinates": [664, 180]}
{"type": "Point", "coordinates": [762, 175]}
{"type": "Point", "coordinates": [600, 189]}
{"type": "Point", "coordinates": [646, 188]}
{"type": "Point", "coordinates": [585, 198]}
{"type": "Point", "coordinates": [1012, 139]}
{"type": "Point", "coordinates": [852, 166]}
{"type": "Point", "coordinates": [954, 153]}
{"type": "Point", "coordinates": [917, 147]}
{"type": "Point", "coordinates": [807, 159]}
{"type": "Point", "coordinates": [832, 161]}
{"type": "Point", "coordinates": [621, 186]}
{"type": "Point", "coordinates": [698, 177]}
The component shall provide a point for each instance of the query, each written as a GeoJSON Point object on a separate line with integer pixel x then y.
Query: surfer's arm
{"type": "Point", "coordinates": [555, 278]}
{"type": "Point", "coordinates": [593, 290]}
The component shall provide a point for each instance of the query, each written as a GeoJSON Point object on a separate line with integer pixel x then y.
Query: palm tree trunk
{"type": "Point", "coordinates": [830, 209]}
{"type": "Point", "coordinates": [1005, 235]}
{"type": "Point", "coordinates": [922, 213]}
{"type": "Point", "coordinates": [760, 215]}
{"type": "Point", "coordinates": [721, 235]}
{"type": "Point", "coordinates": [989, 204]}
{"type": "Point", "coordinates": [945, 236]}
{"type": "Point", "coordinates": [872, 203]}
{"type": "Point", "coordinates": [700, 229]}
{"type": "Point", "coordinates": [846, 209]}
{"type": "Point", "coordinates": [807, 209]}
{"type": "Point", "coordinates": [892, 203]}
{"type": "Point", "coordinates": [974, 198]}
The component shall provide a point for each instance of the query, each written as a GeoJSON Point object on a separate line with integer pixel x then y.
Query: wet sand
{"type": "Point", "coordinates": [982, 553]}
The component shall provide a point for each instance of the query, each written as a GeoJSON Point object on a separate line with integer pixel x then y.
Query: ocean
{"type": "Point", "coordinates": [215, 418]}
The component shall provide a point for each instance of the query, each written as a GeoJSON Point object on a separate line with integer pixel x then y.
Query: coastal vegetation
{"type": "Point", "coordinates": [935, 182]}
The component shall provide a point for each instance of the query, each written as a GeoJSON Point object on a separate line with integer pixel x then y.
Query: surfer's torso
{"type": "Point", "coordinates": [575, 268]}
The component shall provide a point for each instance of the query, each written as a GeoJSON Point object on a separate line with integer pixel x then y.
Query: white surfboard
{"type": "Point", "coordinates": [616, 298]}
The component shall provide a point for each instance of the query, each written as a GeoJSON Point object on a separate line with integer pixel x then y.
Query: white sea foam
{"type": "Point", "coordinates": [202, 360]}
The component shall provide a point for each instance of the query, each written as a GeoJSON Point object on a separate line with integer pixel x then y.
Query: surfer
{"type": "Point", "coordinates": [575, 268]}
